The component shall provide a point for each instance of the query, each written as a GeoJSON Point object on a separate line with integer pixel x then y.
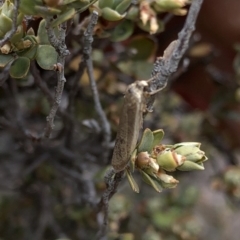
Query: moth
{"type": "Point", "coordinates": [131, 121]}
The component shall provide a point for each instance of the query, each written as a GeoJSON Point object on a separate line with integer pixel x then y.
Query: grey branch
{"type": "Point", "coordinates": [112, 181]}
{"type": "Point", "coordinates": [61, 48]}
{"type": "Point", "coordinates": [40, 83]}
{"type": "Point", "coordinates": [168, 64]}
{"type": "Point", "coordinates": [87, 50]}
{"type": "Point", "coordinates": [9, 34]}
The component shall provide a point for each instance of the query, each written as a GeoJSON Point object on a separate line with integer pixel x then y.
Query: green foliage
{"type": "Point", "coordinates": [122, 31]}
{"type": "Point", "coordinates": [46, 57]}
{"type": "Point", "coordinates": [152, 159]}
{"type": "Point", "coordinates": [113, 10]}
{"type": "Point", "coordinates": [19, 68]}
{"type": "Point", "coordinates": [5, 59]}
{"type": "Point", "coordinates": [23, 44]}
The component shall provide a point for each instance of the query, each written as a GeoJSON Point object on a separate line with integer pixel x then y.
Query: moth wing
{"type": "Point", "coordinates": [128, 132]}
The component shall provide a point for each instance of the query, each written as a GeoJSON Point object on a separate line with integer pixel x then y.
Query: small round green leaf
{"type": "Point", "coordinates": [20, 67]}
{"type": "Point", "coordinates": [122, 31]}
{"type": "Point", "coordinates": [46, 57]}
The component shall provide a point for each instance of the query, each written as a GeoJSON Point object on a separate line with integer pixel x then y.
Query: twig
{"type": "Point", "coordinates": [87, 50]}
{"type": "Point", "coordinates": [35, 164]}
{"type": "Point", "coordinates": [88, 192]}
{"type": "Point", "coordinates": [71, 106]}
{"type": "Point", "coordinates": [9, 34]}
{"type": "Point", "coordinates": [40, 83]}
{"type": "Point", "coordinates": [60, 46]}
{"type": "Point", "coordinates": [166, 65]}
{"type": "Point", "coordinates": [112, 181]}
{"type": "Point", "coordinates": [11, 127]}
{"type": "Point", "coordinates": [46, 91]}
{"type": "Point", "coordinates": [46, 219]}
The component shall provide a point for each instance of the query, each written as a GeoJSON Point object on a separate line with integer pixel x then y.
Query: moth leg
{"type": "Point", "coordinates": [156, 91]}
{"type": "Point", "coordinates": [131, 180]}
{"type": "Point", "coordinates": [132, 160]}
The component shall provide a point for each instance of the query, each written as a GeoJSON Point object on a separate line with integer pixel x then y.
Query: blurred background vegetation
{"type": "Point", "coordinates": [48, 188]}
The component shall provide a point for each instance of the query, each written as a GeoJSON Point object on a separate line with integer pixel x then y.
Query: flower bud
{"type": "Point", "coordinates": [194, 157]}
{"type": "Point", "coordinates": [169, 160]}
{"type": "Point", "coordinates": [7, 9]}
{"type": "Point", "coordinates": [6, 48]}
{"type": "Point", "coordinates": [167, 181]}
{"type": "Point", "coordinates": [145, 161]}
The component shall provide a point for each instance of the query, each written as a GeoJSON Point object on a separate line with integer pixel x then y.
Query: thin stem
{"type": "Point", "coordinates": [87, 51]}
{"type": "Point", "coordinates": [112, 181]}
{"type": "Point", "coordinates": [168, 64]}
{"type": "Point", "coordinates": [40, 83]}
{"type": "Point", "coordinates": [61, 48]}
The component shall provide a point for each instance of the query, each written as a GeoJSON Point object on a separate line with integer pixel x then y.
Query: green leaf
{"type": "Point", "coordinates": [81, 9]}
{"type": "Point", "coordinates": [123, 6]}
{"type": "Point", "coordinates": [20, 67]}
{"type": "Point", "coordinates": [18, 35]}
{"type": "Point", "coordinates": [46, 57]}
{"type": "Point", "coordinates": [158, 136]}
{"type": "Point", "coordinates": [5, 59]}
{"type": "Point", "coordinates": [122, 31]}
{"type": "Point", "coordinates": [146, 141]}
{"type": "Point", "coordinates": [63, 17]}
{"type": "Point", "coordinates": [105, 3]}
{"type": "Point", "coordinates": [30, 52]}
{"type": "Point", "coordinates": [111, 15]}
{"type": "Point", "coordinates": [116, 3]}
{"type": "Point", "coordinates": [47, 11]}
{"type": "Point", "coordinates": [190, 166]}
{"type": "Point", "coordinates": [42, 33]}
{"type": "Point", "coordinates": [151, 181]}
{"type": "Point", "coordinates": [5, 23]}
{"type": "Point", "coordinates": [28, 6]}
{"type": "Point", "coordinates": [131, 181]}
